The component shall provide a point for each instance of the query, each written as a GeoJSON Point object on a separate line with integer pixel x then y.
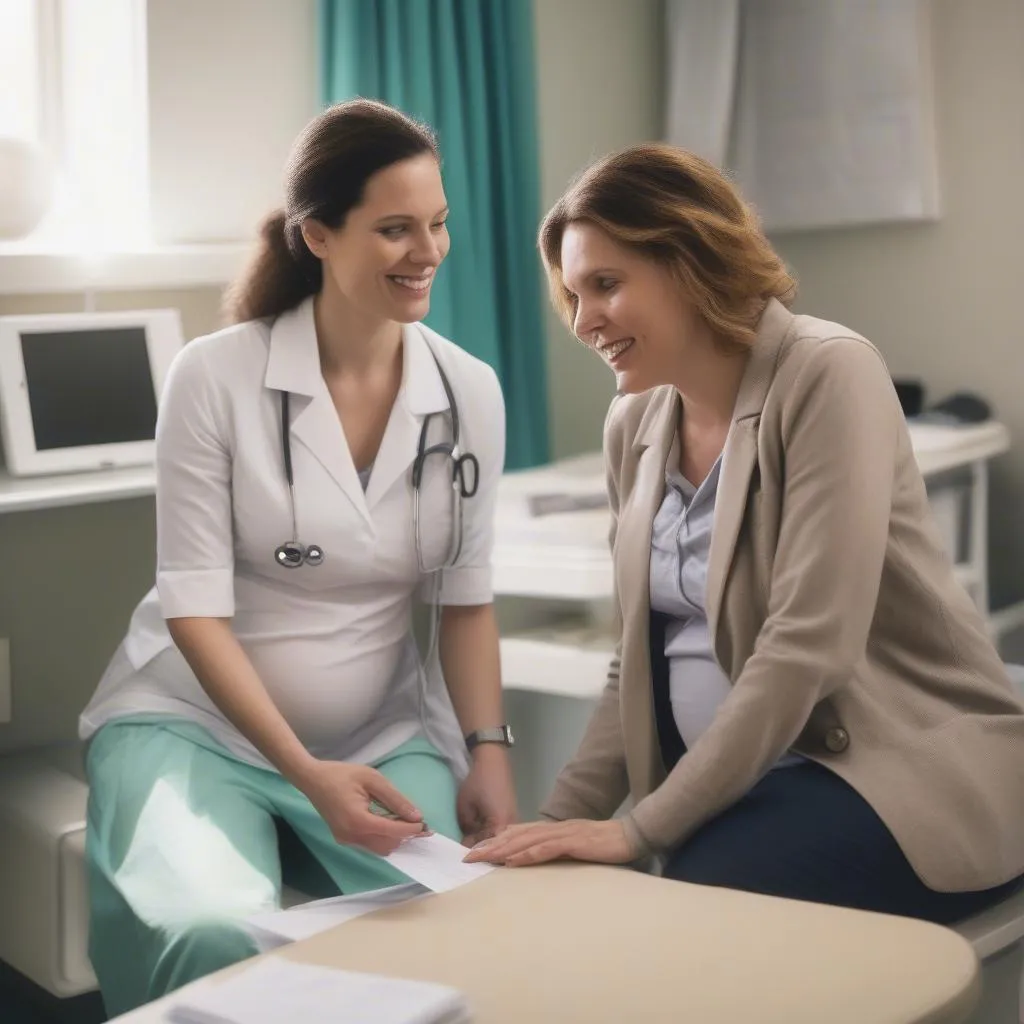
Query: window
{"type": "Point", "coordinates": [19, 84]}
{"type": "Point", "coordinates": [73, 80]}
{"type": "Point", "coordinates": [134, 102]}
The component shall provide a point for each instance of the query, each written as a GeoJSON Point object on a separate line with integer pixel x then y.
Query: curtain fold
{"type": "Point", "coordinates": [466, 67]}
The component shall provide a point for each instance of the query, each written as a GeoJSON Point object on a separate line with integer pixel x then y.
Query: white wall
{"type": "Point", "coordinates": [231, 83]}
{"type": "Point", "coordinates": [942, 300]}
{"type": "Point", "coordinates": [598, 89]}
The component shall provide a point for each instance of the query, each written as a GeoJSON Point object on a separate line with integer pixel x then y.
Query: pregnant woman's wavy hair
{"type": "Point", "coordinates": [680, 211]}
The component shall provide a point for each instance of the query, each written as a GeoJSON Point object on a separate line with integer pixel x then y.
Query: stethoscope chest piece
{"type": "Point", "coordinates": [292, 554]}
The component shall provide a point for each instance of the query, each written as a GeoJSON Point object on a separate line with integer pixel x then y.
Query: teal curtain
{"type": "Point", "coordinates": [466, 67]}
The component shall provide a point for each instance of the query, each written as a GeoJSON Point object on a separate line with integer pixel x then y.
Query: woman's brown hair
{"type": "Point", "coordinates": [681, 212]}
{"type": "Point", "coordinates": [326, 176]}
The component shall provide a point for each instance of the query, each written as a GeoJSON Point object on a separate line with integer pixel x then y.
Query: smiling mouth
{"type": "Point", "coordinates": [611, 350]}
{"type": "Point", "coordinates": [418, 285]}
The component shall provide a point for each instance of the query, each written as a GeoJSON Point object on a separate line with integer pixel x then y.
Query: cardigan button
{"type": "Point", "coordinates": [837, 739]}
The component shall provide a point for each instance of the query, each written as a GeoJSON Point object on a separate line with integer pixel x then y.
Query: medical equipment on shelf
{"type": "Point", "coordinates": [79, 391]}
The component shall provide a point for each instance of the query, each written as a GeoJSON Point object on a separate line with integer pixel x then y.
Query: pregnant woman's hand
{"type": "Point", "coordinates": [342, 795]}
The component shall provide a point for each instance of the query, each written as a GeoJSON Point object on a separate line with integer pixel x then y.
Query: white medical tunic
{"type": "Point", "coordinates": [332, 644]}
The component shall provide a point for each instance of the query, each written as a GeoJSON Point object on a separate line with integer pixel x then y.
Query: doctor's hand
{"type": "Point", "coordinates": [600, 842]}
{"type": "Point", "coordinates": [342, 794]}
{"type": "Point", "coordinates": [487, 799]}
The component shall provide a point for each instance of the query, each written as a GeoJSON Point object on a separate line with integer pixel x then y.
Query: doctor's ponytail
{"type": "Point", "coordinates": [276, 279]}
{"type": "Point", "coordinates": [331, 162]}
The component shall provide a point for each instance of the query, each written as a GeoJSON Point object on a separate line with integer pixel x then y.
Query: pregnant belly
{"type": "Point", "coordinates": [324, 689]}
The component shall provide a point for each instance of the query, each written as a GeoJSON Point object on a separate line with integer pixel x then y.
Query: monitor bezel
{"type": "Point", "coordinates": [164, 339]}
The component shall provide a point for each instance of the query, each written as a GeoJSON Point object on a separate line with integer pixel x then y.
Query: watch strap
{"type": "Point", "coordinates": [501, 734]}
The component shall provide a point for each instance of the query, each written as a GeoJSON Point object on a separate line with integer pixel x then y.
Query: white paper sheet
{"type": "Point", "coordinates": [436, 862]}
{"type": "Point", "coordinates": [275, 990]}
{"type": "Point", "coordinates": [278, 927]}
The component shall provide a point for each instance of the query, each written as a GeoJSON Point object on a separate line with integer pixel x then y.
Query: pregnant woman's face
{"type": "Point", "coordinates": [629, 309]}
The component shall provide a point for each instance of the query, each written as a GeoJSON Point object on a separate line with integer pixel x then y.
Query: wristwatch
{"type": "Point", "coordinates": [502, 734]}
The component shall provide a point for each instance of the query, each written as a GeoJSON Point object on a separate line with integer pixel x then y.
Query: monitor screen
{"type": "Point", "coordinates": [89, 387]}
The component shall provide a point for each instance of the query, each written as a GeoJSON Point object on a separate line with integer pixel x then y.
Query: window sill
{"type": "Point", "coordinates": [35, 271]}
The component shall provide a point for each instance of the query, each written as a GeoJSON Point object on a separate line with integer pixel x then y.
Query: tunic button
{"type": "Point", "coordinates": [837, 739]}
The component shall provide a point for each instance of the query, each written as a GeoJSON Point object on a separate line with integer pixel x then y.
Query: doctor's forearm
{"type": "Point", "coordinates": [468, 645]}
{"type": "Point", "coordinates": [227, 675]}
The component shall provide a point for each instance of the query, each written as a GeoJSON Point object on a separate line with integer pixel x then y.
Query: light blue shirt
{"type": "Point", "coordinates": [680, 547]}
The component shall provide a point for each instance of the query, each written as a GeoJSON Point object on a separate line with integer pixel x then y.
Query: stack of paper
{"type": "Point", "coordinates": [276, 990]}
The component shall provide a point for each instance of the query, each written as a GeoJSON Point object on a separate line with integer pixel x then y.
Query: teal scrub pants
{"type": "Point", "coordinates": [182, 846]}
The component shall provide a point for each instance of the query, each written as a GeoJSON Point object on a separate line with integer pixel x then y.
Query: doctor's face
{"type": "Point", "coordinates": [383, 258]}
{"type": "Point", "coordinates": [629, 310]}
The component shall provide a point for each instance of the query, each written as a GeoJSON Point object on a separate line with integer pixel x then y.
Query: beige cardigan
{"type": "Point", "coordinates": [832, 608]}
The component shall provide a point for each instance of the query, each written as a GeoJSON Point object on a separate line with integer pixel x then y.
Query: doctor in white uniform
{"type": "Point", "coordinates": [272, 675]}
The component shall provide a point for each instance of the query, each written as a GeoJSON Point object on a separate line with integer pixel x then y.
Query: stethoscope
{"type": "Point", "coordinates": [465, 470]}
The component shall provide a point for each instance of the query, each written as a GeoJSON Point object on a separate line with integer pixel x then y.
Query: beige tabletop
{"type": "Point", "coordinates": [567, 943]}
